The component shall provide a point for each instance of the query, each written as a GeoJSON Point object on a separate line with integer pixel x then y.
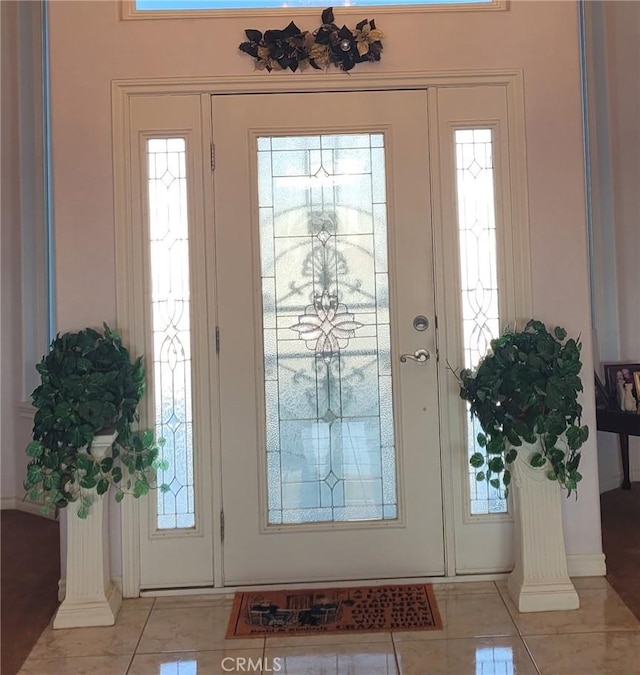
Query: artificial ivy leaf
{"type": "Point", "coordinates": [513, 438]}
{"type": "Point", "coordinates": [476, 460]}
{"type": "Point", "coordinates": [481, 476]}
{"type": "Point", "coordinates": [102, 486]}
{"type": "Point", "coordinates": [88, 482]}
{"type": "Point", "coordinates": [34, 473]}
{"type": "Point", "coordinates": [119, 497]}
{"type": "Point", "coordinates": [482, 440]}
{"type": "Point", "coordinates": [521, 428]}
{"type": "Point", "coordinates": [50, 460]}
{"type": "Point", "coordinates": [34, 449]}
{"type": "Point", "coordinates": [496, 445]}
{"type": "Point", "coordinates": [574, 437]}
{"type": "Point", "coordinates": [496, 464]}
{"type": "Point", "coordinates": [495, 483]}
{"type": "Point", "coordinates": [140, 489]}
{"type": "Point", "coordinates": [537, 460]}
{"type": "Point", "coordinates": [511, 456]}
{"type": "Point", "coordinates": [560, 333]}
{"type": "Point", "coordinates": [506, 477]}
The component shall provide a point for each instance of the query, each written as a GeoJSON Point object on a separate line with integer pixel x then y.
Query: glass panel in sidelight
{"type": "Point", "coordinates": [169, 254]}
{"type": "Point", "coordinates": [479, 278]}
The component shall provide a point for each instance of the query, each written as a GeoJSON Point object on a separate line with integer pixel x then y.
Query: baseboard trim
{"type": "Point", "coordinates": [611, 483]}
{"type": "Point", "coordinates": [7, 503]}
{"type": "Point", "coordinates": [26, 506]}
{"type": "Point", "coordinates": [25, 410]}
{"type": "Point", "coordinates": [586, 565]}
{"type": "Point", "coordinates": [614, 482]}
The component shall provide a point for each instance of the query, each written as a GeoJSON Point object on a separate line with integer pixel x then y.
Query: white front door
{"type": "Point", "coordinates": [327, 370]}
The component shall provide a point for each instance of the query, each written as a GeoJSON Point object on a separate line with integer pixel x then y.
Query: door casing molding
{"type": "Point", "coordinates": [129, 307]}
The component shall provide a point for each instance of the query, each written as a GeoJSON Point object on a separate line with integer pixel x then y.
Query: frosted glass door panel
{"type": "Point", "coordinates": [328, 394]}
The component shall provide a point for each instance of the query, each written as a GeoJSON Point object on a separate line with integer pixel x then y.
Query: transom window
{"type": "Point", "coordinates": [194, 5]}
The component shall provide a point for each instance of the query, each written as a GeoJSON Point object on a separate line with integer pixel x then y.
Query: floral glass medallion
{"type": "Point", "coordinates": [326, 326]}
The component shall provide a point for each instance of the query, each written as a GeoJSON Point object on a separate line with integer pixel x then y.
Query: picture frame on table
{"type": "Point", "coordinates": [621, 373]}
{"type": "Point", "coordinates": [603, 400]}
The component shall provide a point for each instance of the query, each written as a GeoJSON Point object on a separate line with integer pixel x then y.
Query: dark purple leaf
{"type": "Point", "coordinates": [291, 30]}
{"type": "Point", "coordinates": [250, 48]}
{"type": "Point", "coordinates": [362, 24]}
{"type": "Point", "coordinates": [327, 15]}
{"type": "Point", "coordinates": [253, 35]}
{"type": "Point", "coordinates": [323, 36]}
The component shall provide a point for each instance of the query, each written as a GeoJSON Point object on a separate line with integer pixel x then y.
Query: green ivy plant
{"type": "Point", "coordinates": [89, 386]}
{"type": "Point", "coordinates": [526, 388]}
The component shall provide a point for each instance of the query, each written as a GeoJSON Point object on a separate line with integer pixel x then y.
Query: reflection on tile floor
{"type": "Point", "coordinates": [483, 635]}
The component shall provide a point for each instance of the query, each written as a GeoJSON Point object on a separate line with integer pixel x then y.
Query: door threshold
{"type": "Point", "coordinates": [230, 590]}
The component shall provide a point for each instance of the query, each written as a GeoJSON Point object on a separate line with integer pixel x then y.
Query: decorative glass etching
{"type": "Point", "coordinates": [479, 278]}
{"type": "Point", "coordinates": [328, 394]}
{"type": "Point", "coordinates": [168, 234]}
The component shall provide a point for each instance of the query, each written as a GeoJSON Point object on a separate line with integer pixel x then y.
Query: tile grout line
{"type": "Point", "coordinates": [520, 635]}
{"type": "Point", "coordinates": [135, 649]}
{"type": "Point", "coordinates": [395, 654]}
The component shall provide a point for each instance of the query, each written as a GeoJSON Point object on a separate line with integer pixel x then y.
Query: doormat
{"type": "Point", "coordinates": [349, 610]}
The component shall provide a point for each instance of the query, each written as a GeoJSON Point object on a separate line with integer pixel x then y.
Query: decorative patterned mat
{"type": "Point", "coordinates": [330, 610]}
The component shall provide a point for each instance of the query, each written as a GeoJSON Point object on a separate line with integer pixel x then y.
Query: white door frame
{"type": "Point", "coordinates": [123, 91]}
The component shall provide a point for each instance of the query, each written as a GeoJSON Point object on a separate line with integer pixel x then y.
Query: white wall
{"type": "Point", "coordinates": [613, 56]}
{"type": "Point", "coordinates": [11, 319]}
{"type": "Point", "coordinates": [91, 46]}
{"type": "Point", "coordinates": [623, 32]}
{"type": "Point", "coordinates": [24, 323]}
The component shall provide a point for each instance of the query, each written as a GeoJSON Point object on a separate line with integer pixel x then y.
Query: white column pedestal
{"type": "Point", "coordinates": [91, 598]}
{"type": "Point", "coordinates": [539, 581]}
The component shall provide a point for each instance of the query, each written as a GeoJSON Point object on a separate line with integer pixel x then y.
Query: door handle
{"type": "Point", "coordinates": [420, 356]}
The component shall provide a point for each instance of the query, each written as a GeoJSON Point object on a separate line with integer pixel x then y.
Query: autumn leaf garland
{"type": "Point", "coordinates": [292, 48]}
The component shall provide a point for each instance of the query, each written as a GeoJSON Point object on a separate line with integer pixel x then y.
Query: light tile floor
{"type": "Point", "coordinates": [483, 635]}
